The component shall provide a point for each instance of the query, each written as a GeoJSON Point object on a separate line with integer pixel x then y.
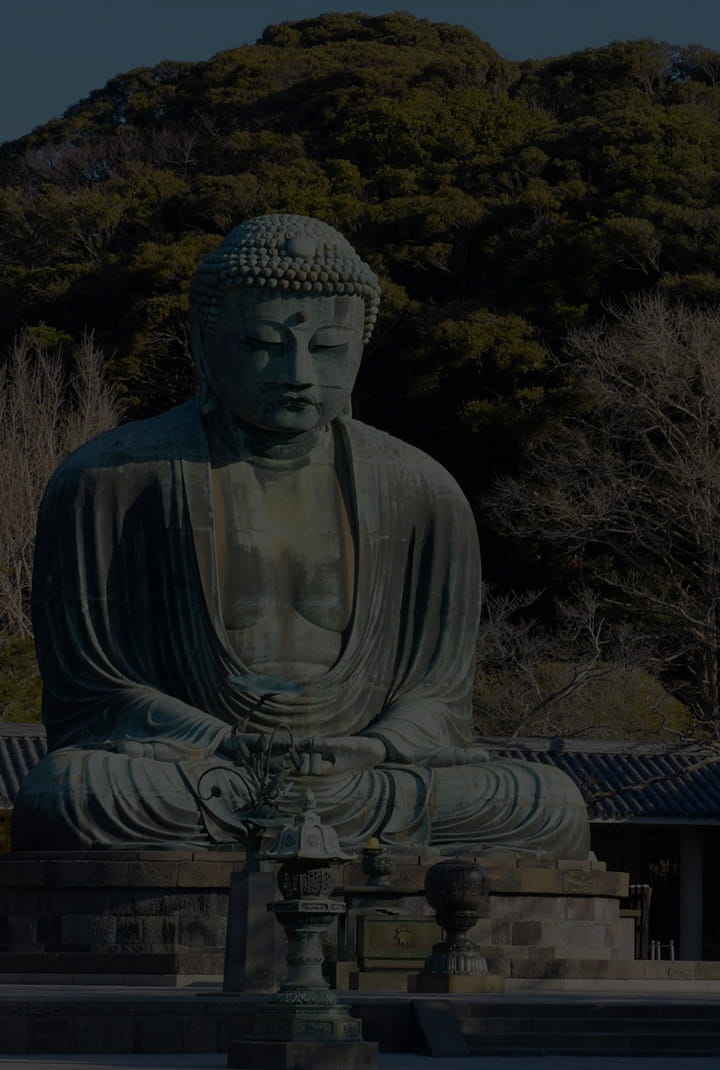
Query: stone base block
{"type": "Point", "coordinates": [385, 943]}
{"type": "Point", "coordinates": [119, 914]}
{"type": "Point", "coordinates": [303, 1055]}
{"type": "Point", "coordinates": [300, 1021]}
{"type": "Point", "coordinates": [456, 984]}
{"type": "Point", "coordinates": [256, 946]}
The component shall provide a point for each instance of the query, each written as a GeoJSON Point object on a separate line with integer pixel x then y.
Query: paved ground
{"type": "Point", "coordinates": [387, 1062]}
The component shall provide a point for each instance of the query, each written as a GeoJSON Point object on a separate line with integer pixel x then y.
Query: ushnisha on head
{"type": "Point", "coordinates": [290, 254]}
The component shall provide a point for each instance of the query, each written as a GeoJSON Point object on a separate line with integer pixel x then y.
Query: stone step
{"type": "Point", "coordinates": [604, 1010]}
{"type": "Point", "coordinates": [603, 1029]}
{"type": "Point", "coordinates": [82, 967]}
{"type": "Point", "coordinates": [680, 970]}
{"type": "Point", "coordinates": [493, 1028]}
{"type": "Point", "coordinates": [600, 1042]}
{"type": "Point", "coordinates": [100, 962]}
{"type": "Point", "coordinates": [539, 987]}
{"type": "Point", "coordinates": [508, 1051]}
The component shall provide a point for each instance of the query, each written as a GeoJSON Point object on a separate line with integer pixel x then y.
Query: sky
{"type": "Point", "coordinates": [55, 52]}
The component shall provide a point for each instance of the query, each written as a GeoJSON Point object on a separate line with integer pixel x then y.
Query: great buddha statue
{"type": "Point", "coordinates": [255, 557]}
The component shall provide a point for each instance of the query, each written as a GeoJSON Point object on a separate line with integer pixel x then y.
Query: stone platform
{"type": "Point", "coordinates": [160, 917]}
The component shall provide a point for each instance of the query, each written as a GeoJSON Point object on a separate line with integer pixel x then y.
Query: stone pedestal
{"type": "Point", "coordinates": [114, 917]}
{"type": "Point", "coordinates": [159, 917]}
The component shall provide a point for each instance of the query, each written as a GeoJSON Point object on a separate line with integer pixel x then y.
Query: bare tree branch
{"type": "Point", "coordinates": [44, 415]}
{"type": "Point", "coordinates": [627, 489]}
{"type": "Point", "coordinates": [569, 675]}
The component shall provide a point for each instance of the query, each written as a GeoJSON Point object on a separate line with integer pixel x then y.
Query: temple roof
{"type": "Point", "coordinates": [21, 747]}
{"type": "Point", "coordinates": [621, 780]}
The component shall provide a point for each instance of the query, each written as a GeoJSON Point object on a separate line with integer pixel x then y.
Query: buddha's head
{"type": "Point", "coordinates": [280, 313]}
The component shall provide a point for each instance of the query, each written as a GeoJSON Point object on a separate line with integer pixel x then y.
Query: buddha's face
{"type": "Point", "coordinates": [285, 362]}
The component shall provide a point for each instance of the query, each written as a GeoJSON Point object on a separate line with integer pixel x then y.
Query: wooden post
{"type": "Point", "coordinates": [691, 892]}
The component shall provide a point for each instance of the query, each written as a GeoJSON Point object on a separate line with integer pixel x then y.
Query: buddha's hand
{"type": "Point", "coordinates": [259, 751]}
{"type": "Point", "coordinates": [322, 756]}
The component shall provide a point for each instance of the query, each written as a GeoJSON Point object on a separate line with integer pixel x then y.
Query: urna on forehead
{"type": "Point", "coordinates": [288, 254]}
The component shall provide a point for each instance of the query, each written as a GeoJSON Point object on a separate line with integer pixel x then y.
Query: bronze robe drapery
{"type": "Point", "coordinates": [135, 660]}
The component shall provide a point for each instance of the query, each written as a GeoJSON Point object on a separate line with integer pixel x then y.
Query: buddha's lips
{"type": "Point", "coordinates": [293, 401]}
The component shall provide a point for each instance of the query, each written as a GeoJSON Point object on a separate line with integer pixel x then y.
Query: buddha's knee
{"type": "Point", "coordinates": [526, 806]}
{"type": "Point", "coordinates": [77, 798]}
{"type": "Point", "coordinates": [39, 814]}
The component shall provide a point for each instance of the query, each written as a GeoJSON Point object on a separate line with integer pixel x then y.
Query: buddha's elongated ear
{"type": "Point", "coordinates": [206, 397]}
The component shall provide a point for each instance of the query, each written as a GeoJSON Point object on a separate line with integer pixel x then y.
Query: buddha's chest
{"type": "Point", "coordinates": [286, 561]}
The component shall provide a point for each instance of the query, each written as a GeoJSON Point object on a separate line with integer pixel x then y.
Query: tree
{"type": "Point", "coordinates": [45, 412]}
{"type": "Point", "coordinates": [580, 675]}
{"type": "Point", "coordinates": [624, 494]}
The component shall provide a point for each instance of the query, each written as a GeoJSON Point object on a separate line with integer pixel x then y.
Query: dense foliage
{"type": "Point", "coordinates": [500, 202]}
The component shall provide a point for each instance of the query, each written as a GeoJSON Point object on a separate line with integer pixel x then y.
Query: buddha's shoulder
{"type": "Point", "coordinates": [378, 448]}
{"type": "Point", "coordinates": [152, 442]}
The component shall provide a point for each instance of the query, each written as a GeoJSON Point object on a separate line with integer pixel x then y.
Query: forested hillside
{"type": "Point", "coordinates": [503, 206]}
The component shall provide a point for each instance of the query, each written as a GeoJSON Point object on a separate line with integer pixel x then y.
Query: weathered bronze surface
{"type": "Point", "coordinates": [256, 557]}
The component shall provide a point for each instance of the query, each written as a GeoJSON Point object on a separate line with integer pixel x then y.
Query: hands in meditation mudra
{"type": "Point", "coordinates": [256, 557]}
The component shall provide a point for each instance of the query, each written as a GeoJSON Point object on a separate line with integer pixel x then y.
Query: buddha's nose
{"type": "Point", "coordinates": [299, 367]}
